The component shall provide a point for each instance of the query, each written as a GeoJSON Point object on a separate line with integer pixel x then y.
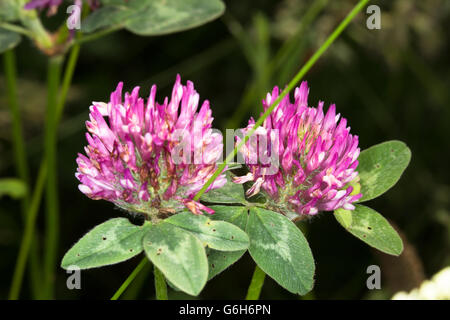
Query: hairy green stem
{"type": "Point", "coordinates": [52, 205]}
{"type": "Point", "coordinates": [160, 284]}
{"type": "Point", "coordinates": [56, 102]}
{"type": "Point", "coordinates": [30, 19]}
{"type": "Point", "coordinates": [135, 287]}
{"type": "Point", "coordinates": [130, 279]}
{"type": "Point", "coordinates": [16, 28]}
{"type": "Point", "coordinates": [306, 67]}
{"type": "Point", "coordinates": [42, 176]}
{"type": "Point", "coordinates": [27, 235]}
{"type": "Point", "coordinates": [20, 158]}
{"type": "Point", "coordinates": [67, 80]}
{"type": "Point", "coordinates": [254, 290]}
{"type": "Point", "coordinates": [54, 112]}
{"type": "Point", "coordinates": [55, 109]}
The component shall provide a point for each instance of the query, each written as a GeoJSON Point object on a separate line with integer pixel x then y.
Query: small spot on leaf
{"type": "Point", "coordinates": [104, 238]}
{"type": "Point", "coordinates": [212, 265]}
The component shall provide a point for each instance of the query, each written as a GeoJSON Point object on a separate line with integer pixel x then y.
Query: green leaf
{"type": "Point", "coordinates": [106, 17]}
{"type": "Point", "coordinates": [15, 188]}
{"type": "Point", "coordinates": [9, 10]}
{"type": "Point", "coordinates": [235, 215]}
{"type": "Point", "coordinates": [111, 242]}
{"type": "Point", "coordinates": [229, 193]}
{"type": "Point", "coordinates": [381, 166]}
{"type": "Point", "coordinates": [280, 250]}
{"type": "Point", "coordinates": [219, 260]}
{"type": "Point", "coordinates": [370, 226]}
{"type": "Point", "coordinates": [169, 16]}
{"type": "Point", "coordinates": [8, 39]}
{"type": "Point", "coordinates": [154, 17]}
{"type": "Point", "coordinates": [344, 217]}
{"type": "Point", "coordinates": [179, 255]}
{"type": "Point", "coordinates": [170, 284]}
{"type": "Point", "coordinates": [219, 235]}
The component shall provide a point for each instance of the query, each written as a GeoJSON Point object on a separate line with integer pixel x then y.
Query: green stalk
{"type": "Point", "coordinates": [27, 235]}
{"type": "Point", "coordinates": [254, 290]}
{"type": "Point", "coordinates": [16, 28]}
{"type": "Point", "coordinates": [130, 279]}
{"type": "Point", "coordinates": [67, 80]}
{"type": "Point", "coordinates": [55, 109]}
{"type": "Point", "coordinates": [290, 86]}
{"type": "Point", "coordinates": [306, 67]}
{"type": "Point", "coordinates": [52, 205]}
{"type": "Point", "coordinates": [135, 287]}
{"type": "Point", "coordinates": [160, 285]}
{"type": "Point", "coordinates": [20, 157]}
{"type": "Point", "coordinates": [42, 175]}
{"type": "Point", "coordinates": [54, 112]}
{"type": "Point", "coordinates": [30, 19]}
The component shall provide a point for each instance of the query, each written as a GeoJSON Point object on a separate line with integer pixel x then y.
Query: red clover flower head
{"type": "Point", "coordinates": [139, 155]}
{"type": "Point", "coordinates": [317, 153]}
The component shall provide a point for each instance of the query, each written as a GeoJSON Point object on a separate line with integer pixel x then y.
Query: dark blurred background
{"type": "Point", "coordinates": [391, 83]}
